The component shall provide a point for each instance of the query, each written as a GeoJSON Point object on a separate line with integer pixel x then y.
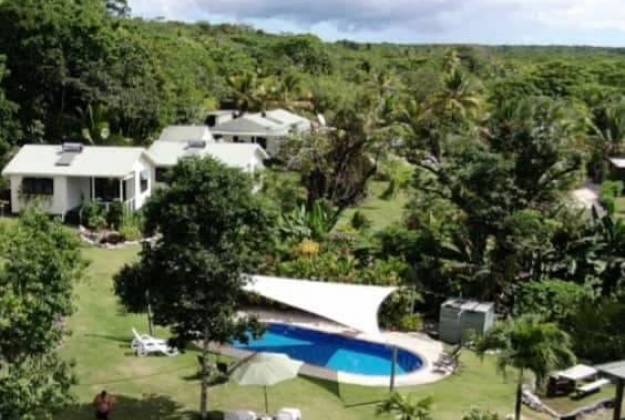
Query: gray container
{"type": "Point", "coordinates": [460, 319]}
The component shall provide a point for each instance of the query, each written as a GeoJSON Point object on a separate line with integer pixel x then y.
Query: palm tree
{"type": "Point", "coordinates": [607, 134]}
{"type": "Point", "coordinates": [528, 344]}
{"type": "Point", "coordinates": [458, 100]}
{"type": "Point", "coordinates": [247, 91]}
{"type": "Point", "coordinates": [404, 407]}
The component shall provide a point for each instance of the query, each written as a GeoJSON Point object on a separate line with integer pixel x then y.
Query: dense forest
{"type": "Point", "coordinates": [496, 138]}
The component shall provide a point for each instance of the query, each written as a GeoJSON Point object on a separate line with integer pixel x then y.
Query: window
{"type": "Point", "coordinates": [162, 175]}
{"type": "Point", "coordinates": [211, 120]}
{"type": "Point", "coordinates": [37, 186]}
{"type": "Point", "coordinates": [107, 189]}
{"type": "Point", "coordinates": [235, 139]}
{"type": "Point", "coordinates": [262, 141]}
{"type": "Point", "coordinates": [144, 180]}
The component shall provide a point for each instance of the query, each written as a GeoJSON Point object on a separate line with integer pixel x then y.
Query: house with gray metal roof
{"type": "Point", "coordinates": [268, 129]}
{"type": "Point", "coordinates": [248, 157]}
{"type": "Point", "coordinates": [60, 178]}
{"type": "Point", "coordinates": [185, 133]}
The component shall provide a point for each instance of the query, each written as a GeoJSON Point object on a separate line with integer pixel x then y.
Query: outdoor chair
{"type": "Point", "coordinates": [589, 388]}
{"type": "Point", "coordinates": [289, 414]}
{"type": "Point", "coordinates": [144, 345]}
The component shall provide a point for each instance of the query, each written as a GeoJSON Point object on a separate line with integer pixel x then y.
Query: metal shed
{"type": "Point", "coordinates": [460, 318]}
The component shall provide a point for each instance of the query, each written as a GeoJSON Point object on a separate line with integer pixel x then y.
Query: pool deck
{"type": "Point", "coordinates": [427, 349]}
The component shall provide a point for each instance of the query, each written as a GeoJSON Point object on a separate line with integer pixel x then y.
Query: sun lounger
{"type": "Point", "coordinates": [592, 386]}
{"type": "Point", "coordinates": [144, 345]}
{"type": "Point", "coordinates": [240, 415]}
{"type": "Point", "coordinates": [289, 414]}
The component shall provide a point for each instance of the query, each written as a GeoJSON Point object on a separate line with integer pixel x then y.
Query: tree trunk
{"type": "Point", "coordinates": [519, 397]}
{"type": "Point", "coordinates": [149, 314]}
{"type": "Point", "coordinates": [204, 380]}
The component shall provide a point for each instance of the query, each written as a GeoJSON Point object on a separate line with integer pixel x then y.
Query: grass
{"type": "Point", "coordinates": [619, 207]}
{"type": "Point", "coordinates": [165, 388]}
{"type": "Point", "coordinates": [381, 212]}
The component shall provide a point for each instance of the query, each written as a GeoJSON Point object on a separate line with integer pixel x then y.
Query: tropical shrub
{"type": "Point", "coordinates": [610, 190]}
{"type": "Point", "coordinates": [554, 300]}
{"type": "Point", "coordinates": [132, 226]}
{"type": "Point", "coordinates": [360, 221]}
{"type": "Point", "coordinates": [477, 414]}
{"type": "Point", "coordinates": [93, 215]}
{"type": "Point", "coordinates": [115, 214]}
{"type": "Point", "coordinates": [404, 407]}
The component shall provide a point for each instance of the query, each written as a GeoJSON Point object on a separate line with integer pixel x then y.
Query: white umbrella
{"type": "Point", "coordinates": [266, 369]}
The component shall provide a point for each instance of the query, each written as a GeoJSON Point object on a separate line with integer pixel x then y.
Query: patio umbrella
{"type": "Point", "coordinates": [266, 369]}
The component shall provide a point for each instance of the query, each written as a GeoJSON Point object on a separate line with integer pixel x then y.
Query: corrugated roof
{"type": "Point", "coordinates": [97, 161]}
{"type": "Point", "coordinates": [185, 133]}
{"type": "Point", "coordinates": [614, 369]}
{"type": "Point", "coordinates": [236, 155]}
{"type": "Point", "coordinates": [286, 117]}
{"type": "Point", "coordinates": [469, 305]}
{"type": "Point", "coordinates": [251, 124]}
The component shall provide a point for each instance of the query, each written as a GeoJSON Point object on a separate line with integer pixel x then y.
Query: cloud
{"type": "Point", "coordinates": [476, 20]}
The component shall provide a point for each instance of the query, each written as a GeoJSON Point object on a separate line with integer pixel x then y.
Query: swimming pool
{"type": "Point", "coordinates": [331, 351]}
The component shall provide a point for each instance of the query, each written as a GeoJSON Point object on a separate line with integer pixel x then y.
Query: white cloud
{"type": "Point", "coordinates": [478, 19]}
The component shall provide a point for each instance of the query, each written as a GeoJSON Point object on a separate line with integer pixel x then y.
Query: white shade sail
{"type": "Point", "coordinates": [353, 305]}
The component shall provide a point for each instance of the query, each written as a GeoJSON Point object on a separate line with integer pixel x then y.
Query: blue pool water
{"type": "Point", "coordinates": [332, 351]}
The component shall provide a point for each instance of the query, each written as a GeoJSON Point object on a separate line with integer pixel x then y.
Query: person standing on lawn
{"type": "Point", "coordinates": [103, 403]}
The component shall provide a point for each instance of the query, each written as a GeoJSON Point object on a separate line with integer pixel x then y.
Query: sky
{"type": "Point", "coordinates": [544, 22]}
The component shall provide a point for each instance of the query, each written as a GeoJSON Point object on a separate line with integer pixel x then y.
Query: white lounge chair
{"type": "Point", "coordinates": [592, 386]}
{"type": "Point", "coordinates": [240, 415]}
{"type": "Point", "coordinates": [144, 345]}
{"type": "Point", "coordinates": [289, 414]}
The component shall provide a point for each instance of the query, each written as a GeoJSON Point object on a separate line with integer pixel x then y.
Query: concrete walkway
{"type": "Point", "coordinates": [427, 349]}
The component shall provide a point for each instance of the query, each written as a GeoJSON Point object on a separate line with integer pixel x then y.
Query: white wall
{"type": "Point", "coordinates": [273, 143]}
{"type": "Point", "coordinates": [54, 204]}
{"type": "Point", "coordinates": [141, 197]}
{"type": "Point", "coordinates": [78, 191]}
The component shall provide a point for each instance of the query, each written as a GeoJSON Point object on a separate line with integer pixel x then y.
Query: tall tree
{"type": "Point", "coordinates": [336, 164]}
{"type": "Point", "coordinates": [497, 232]}
{"type": "Point", "coordinates": [527, 344]}
{"type": "Point", "coordinates": [40, 262]}
{"type": "Point", "coordinates": [212, 230]}
{"type": "Point", "coordinates": [9, 126]}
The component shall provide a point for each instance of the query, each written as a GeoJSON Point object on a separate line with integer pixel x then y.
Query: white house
{"type": "Point", "coordinates": [166, 154]}
{"type": "Point", "coordinates": [61, 177]}
{"type": "Point", "coordinates": [185, 133]}
{"type": "Point", "coordinates": [268, 129]}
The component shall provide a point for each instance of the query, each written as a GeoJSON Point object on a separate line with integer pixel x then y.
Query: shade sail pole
{"type": "Point", "coordinates": [618, 402]}
{"type": "Point", "coordinates": [393, 368]}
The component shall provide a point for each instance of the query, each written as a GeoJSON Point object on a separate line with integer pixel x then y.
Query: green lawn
{"type": "Point", "coordinates": [164, 388]}
{"type": "Point", "coordinates": [381, 212]}
{"type": "Point", "coordinates": [619, 207]}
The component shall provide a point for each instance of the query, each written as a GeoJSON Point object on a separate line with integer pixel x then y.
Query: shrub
{"type": "Point", "coordinates": [360, 221]}
{"type": "Point", "coordinates": [115, 215]}
{"type": "Point", "coordinates": [132, 226]}
{"type": "Point", "coordinates": [477, 414]}
{"type": "Point", "coordinates": [610, 190]}
{"type": "Point", "coordinates": [92, 215]}
{"type": "Point", "coordinates": [554, 300]}
{"type": "Point", "coordinates": [411, 323]}
{"type": "Point", "coordinates": [397, 307]}
{"type": "Point", "coordinates": [307, 248]}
